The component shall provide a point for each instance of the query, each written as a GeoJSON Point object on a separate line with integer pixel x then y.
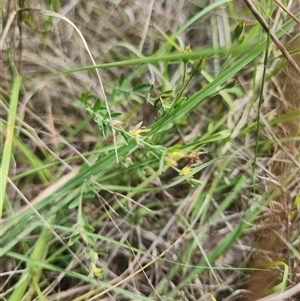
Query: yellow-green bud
{"type": "Point", "coordinates": [187, 49]}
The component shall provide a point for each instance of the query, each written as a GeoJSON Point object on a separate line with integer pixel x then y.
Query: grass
{"type": "Point", "coordinates": [167, 173]}
{"type": "Point", "coordinates": [5, 163]}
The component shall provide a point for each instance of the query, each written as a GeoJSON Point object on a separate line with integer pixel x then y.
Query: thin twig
{"type": "Point", "coordinates": [6, 28]}
{"type": "Point", "coordinates": [287, 11]}
{"type": "Point", "coordinates": [265, 26]}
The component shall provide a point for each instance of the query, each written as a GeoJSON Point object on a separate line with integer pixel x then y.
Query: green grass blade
{"type": "Point", "coordinates": [5, 163]}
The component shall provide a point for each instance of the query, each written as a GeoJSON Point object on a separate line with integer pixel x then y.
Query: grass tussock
{"type": "Point", "coordinates": [149, 151]}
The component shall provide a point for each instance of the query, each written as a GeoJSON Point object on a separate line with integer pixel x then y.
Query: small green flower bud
{"type": "Point", "coordinates": [158, 103]}
{"type": "Point", "coordinates": [197, 66]}
{"type": "Point", "coordinates": [239, 29]}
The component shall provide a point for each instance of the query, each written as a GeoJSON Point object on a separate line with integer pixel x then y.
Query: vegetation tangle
{"type": "Point", "coordinates": [150, 150]}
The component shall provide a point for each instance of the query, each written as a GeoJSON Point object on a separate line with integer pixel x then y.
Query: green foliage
{"type": "Point", "coordinates": [184, 140]}
{"type": "Point", "coordinates": [100, 113]}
